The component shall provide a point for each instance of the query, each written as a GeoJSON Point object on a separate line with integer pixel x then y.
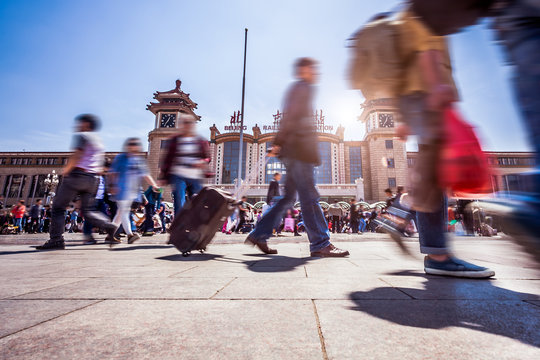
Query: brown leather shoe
{"type": "Point", "coordinates": [261, 245]}
{"type": "Point", "coordinates": [330, 251]}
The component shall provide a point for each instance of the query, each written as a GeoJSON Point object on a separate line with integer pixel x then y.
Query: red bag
{"type": "Point", "coordinates": [463, 166]}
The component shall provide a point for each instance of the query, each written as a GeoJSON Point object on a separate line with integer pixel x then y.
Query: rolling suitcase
{"type": "Point", "coordinates": [195, 226]}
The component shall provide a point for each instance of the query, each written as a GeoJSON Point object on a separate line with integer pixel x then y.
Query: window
{"type": "Point", "coordinates": [3, 161]}
{"type": "Point", "coordinates": [323, 172]}
{"type": "Point", "coordinates": [355, 161]}
{"type": "Point", "coordinates": [391, 182]}
{"type": "Point", "coordinates": [273, 166]}
{"type": "Point", "coordinates": [411, 162]}
{"type": "Point", "coordinates": [389, 144]}
{"type": "Point", "coordinates": [230, 162]}
{"type": "Point", "coordinates": [37, 187]}
{"type": "Point", "coordinates": [511, 182]}
{"type": "Point", "coordinates": [390, 163]}
{"type": "Point", "coordinates": [14, 186]}
{"type": "Point", "coordinates": [164, 144]}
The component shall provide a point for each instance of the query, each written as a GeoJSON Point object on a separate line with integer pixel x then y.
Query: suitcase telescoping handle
{"type": "Point", "coordinates": [251, 176]}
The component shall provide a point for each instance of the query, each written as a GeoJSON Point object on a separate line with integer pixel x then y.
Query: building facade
{"type": "Point", "coordinates": [362, 169]}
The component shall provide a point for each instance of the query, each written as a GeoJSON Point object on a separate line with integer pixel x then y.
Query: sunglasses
{"type": "Point", "coordinates": [133, 144]}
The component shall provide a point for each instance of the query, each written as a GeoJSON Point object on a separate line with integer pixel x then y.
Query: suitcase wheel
{"type": "Point", "coordinates": [186, 253]}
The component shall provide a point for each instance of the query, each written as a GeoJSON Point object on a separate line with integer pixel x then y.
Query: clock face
{"type": "Point", "coordinates": [386, 120]}
{"type": "Point", "coordinates": [168, 121]}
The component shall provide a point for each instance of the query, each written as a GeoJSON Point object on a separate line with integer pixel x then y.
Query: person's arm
{"type": "Point", "coordinates": [150, 180]}
{"type": "Point", "coordinates": [440, 94]}
{"type": "Point", "coordinates": [296, 104]}
{"type": "Point", "coordinates": [167, 163]}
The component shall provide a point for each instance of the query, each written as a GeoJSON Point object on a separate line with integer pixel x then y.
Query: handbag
{"type": "Point", "coordinates": [463, 166]}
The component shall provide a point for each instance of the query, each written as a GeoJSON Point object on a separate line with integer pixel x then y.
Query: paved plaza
{"type": "Point", "coordinates": [146, 301]}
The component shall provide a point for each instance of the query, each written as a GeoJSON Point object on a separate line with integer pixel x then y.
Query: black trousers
{"type": "Point", "coordinates": [336, 224]}
{"type": "Point", "coordinates": [76, 183]}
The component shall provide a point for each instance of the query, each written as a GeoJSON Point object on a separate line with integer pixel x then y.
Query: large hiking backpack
{"type": "Point", "coordinates": [376, 66]}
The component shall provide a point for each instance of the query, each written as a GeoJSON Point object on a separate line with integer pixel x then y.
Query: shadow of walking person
{"type": "Point", "coordinates": [277, 263]}
{"type": "Point", "coordinates": [446, 302]}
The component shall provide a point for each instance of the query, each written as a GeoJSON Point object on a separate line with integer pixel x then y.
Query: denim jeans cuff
{"type": "Point", "coordinates": [319, 246]}
{"type": "Point", "coordinates": [433, 250]}
{"type": "Point", "coordinates": [257, 239]}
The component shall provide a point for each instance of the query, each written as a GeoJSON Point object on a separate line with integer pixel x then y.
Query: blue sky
{"type": "Point", "coordinates": [62, 58]}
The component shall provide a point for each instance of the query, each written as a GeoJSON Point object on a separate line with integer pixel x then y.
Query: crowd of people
{"type": "Point", "coordinates": [19, 219]}
{"type": "Point", "coordinates": [424, 89]}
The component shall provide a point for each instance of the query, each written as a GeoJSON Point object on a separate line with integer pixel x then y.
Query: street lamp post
{"type": "Point", "coordinates": [50, 185]}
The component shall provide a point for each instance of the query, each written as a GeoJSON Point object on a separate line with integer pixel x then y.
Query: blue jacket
{"type": "Point", "coordinates": [123, 165]}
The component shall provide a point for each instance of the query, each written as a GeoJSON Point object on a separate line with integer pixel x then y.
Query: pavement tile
{"type": "Point", "coordinates": [306, 288]}
{"type": "Point", "coordinates": [17, 315]}
{"type": "Point", "coordinates": [120, 271]}
{"type": "Point", "coordinates": [430, 329]}
{"type": "Point", "coordinates": [134, 288]}
{"type": "Point", "coordinates": [420, 286]}
{"type": "Point", "coordinates": [207, 329]}
{"type": "Point", "coordinates": [241, 271]}
{"type": "Point", "coordinates": [12, 287]}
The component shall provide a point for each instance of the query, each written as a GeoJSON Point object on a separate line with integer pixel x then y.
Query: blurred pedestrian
{"type": "Point", "coordinates": [152, 199]}
{"type": "Point", "coordinates": [354, 216]}
{"type": "Point", "coordinates": [18, 213]}
{"type": "Point", "coordinates": [100, 204]}
{"type": "Point", "coordinates": [243, 211]}
{"type": "Point", "coordinates": [127, 172]}
{"type": "Point", "coordinates": [273, 189]}
{"type": "Point", "coordinates": [297, 143]}
{"type": "Point", "coordinates": [186, 161]}
{"type": "Point", "coordinates": [79, 178]}
{"type": "Point", "coordinates": [427, 89]}
{"type": "Point", "coordinates": [517, 25]}
{"type": "Point", "coordinates": [35, 216]}
{"type": "Point", "coordinates": [336, 214]}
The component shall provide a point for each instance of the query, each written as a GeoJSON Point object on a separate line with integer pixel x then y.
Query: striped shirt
{"type": "Point", "coordinates": [188, 150]}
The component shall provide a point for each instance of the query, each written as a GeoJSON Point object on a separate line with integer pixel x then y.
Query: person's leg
{"type": "Point", "coordinates": [149, 210]}
{"type": "Point", "coordinates": [428, 197]}
{"type": "Point", "coordinates": [88, 188]}
{"type": "Point", "coordinates": [354, 226]}
{"type": "Point", "coordinates": [66, 192]}
{"type": "Point", "coordinates": [272, 218]}
{"type": "Point", "coordinates": [179, 185]}
{"type": "Point", "coordinates": [18, 224]}
{"type": "Point", "coordinates": [123, 208]}
{"type": "Point", "coordinates": [194, 186]}
{"type": "Point", "coordinates": [315, 223]}
{"type": "Point", "coordinates": [432, 230]}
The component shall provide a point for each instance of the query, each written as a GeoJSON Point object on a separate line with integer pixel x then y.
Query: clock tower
{"type": "Point", "coordinates": [387, 164]}
{"type": "Point", "coordinates": [170, 104]}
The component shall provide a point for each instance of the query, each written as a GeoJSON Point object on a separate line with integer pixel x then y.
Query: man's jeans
{"type": "Point", "coordinates": [300, 178]}
{"type": "Point", "coordinates": [76, 183]}
{"type": "Point", "coordinates": [362, 225]}
{"type": "Point", "coordinates": [181, 186]}
{"type": "Point", "coordinates": [18, 224]}
{"type": "Point", "coordinates": [427, 195]}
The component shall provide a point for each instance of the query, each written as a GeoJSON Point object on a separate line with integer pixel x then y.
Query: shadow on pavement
{"type": "Point", "coordinates": [277, 263]}
{"type": "Point", "coordinates": [507, 314]}
{"type": "Point", "coordinates": [140, 247]}
{"type": "Point", "coordinates": [33, 251]}
{"type": "Point", "coordinates": [193, 257]}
